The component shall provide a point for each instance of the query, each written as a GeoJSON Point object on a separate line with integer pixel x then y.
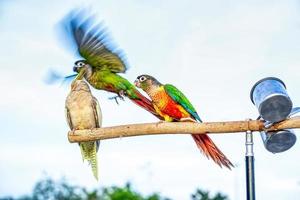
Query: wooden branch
{"type": "Point", "coordinates": [177, 128]}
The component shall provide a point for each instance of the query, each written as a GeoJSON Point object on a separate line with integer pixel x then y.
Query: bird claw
{"type": "Point", "coordinates": [73, 131]}
{"type": "Point", "coordinates": [187, 120]}
{"type": "Point", "coordinates": [119, 96]}
{"type": "Point", "coordinates": [116, 98]}
{"type": "Point", "coordinates": [122, 93]}
{"type": "Point", "coordinates": [92, 129]}
{"type": "Point", "coordinates": [161, 121]}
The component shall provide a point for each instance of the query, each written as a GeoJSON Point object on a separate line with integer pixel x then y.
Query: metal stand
{"type": "Point", "coordinates": [250, 182]}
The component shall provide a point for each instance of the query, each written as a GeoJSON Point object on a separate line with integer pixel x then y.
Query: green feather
{"type": "Point", "coordinates": [106, 80]}
{"type": "Point", "coordinates": [182, 100]}
{"type": "Point", "coordinates": [89, 153]}
{"type": "Point", "coordinates": [93, 42]}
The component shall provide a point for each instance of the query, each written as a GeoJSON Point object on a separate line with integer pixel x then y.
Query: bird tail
{"type": "Point", "coordinates": [89, 153]}
{"type": "Point", "coordinates": [143, 102]}
{"type": "Point", "coordinates": [208, 148]}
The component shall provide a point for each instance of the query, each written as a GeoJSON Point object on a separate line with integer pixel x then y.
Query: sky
{"type": "Point", "coordinates": [213, 51]}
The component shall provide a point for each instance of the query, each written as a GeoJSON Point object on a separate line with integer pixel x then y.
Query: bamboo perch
{"type": "Point", "coordinates": [177, 128]}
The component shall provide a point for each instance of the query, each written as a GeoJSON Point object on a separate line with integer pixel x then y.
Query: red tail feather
{"type": "Point", "coordinates": [203, 141]}
{"type": "Point", "coordinates": [207, 146]}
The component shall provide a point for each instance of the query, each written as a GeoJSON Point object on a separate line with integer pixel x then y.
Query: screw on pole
{"type": "Point", "coordinates": [249, 161]}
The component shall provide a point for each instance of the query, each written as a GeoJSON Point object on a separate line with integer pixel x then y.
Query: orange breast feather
{"type": "Point", "coordinates": [168, 106]}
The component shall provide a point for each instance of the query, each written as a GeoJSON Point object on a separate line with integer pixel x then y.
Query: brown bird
{"type": "Point", "coordinates": [83, 112]}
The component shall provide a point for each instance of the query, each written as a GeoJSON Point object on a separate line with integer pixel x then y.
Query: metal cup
{"type": "Point", "coordinates": [271, 99]}
{"type": "Point", "coordinates": [278, 141]}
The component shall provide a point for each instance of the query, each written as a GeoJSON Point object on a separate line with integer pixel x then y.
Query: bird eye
{"type": "Point", "coordinates": [80, 64]}
{"type": "Point", "coordinates": [142, 78]}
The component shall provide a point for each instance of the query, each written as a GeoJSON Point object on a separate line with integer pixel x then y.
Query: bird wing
{"type": "Point", "coordinates": [97, 112]}
{"type": "Point", "coordinates": [94, 43]}
{"type": "Point", "coordinates": [98, 117]}
{"type": "Point", "coordinates": [68, 117]}
{"type": "Point", "coordinates": [181, 99]}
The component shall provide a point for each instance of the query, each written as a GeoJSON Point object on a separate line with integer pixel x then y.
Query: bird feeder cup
{"type": "Point", "coordinates": [278, 141]}
{"type": "Point", "coordinates": [271, 99]}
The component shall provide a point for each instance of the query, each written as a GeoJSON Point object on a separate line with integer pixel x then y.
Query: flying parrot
{"type": "Point", "coordinates": [102, 60]}
{"type": "Point", "coordinates": [83, 112]}
{"type": "Point", "coordinates": [171, 104]}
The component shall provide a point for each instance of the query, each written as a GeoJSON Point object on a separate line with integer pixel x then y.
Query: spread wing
{"type": "Point", "coordinates": [93, 42]}
{"type": "Point", "coordinates": [179, 98]}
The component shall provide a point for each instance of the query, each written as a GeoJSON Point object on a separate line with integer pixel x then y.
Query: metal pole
{"type": "Point", "coordinates": [250, 182]}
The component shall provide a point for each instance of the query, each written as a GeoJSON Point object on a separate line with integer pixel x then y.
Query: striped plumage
{"type": "Point", "coordinates": [172, 105]}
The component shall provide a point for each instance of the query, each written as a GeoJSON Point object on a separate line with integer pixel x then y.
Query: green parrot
{"type": "Point", "coordinates": [83, 112]}
{"type": "Point", "coordinates": [171, 104]}
{"type": "Point", "coordinates": [102, 60]}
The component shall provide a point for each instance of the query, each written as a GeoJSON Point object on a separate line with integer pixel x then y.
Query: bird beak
{"type": "Point", "coordinates": [81, 72]}
{"type": "Point", "coordinates": [75, 69]}
{"type": "Point", "coordinates": [137, 83]}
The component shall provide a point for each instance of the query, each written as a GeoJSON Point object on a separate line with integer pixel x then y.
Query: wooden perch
{"type": "Point", "coordinates": [177, 128]}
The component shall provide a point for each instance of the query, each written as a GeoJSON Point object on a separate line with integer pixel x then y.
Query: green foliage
{"type": "Point", "coordinates": [204, 195]}
{"type": "Point", "coordinates": [126, 193]}
{"type": "Point", "coordinates": [48, 189]}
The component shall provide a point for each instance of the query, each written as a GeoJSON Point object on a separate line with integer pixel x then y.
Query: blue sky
{"type": "Point", "coordinates": [214, 51]}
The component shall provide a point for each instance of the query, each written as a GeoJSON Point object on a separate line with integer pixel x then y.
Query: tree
{"type": "Point", "coordinates": [48, 189]}
{"type": "Point", "coordinates": [204, 195]}
{"type": "Point", "coordinates": [126, 193]}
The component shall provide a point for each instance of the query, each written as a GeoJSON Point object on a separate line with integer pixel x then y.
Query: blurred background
{"type": "Point", "coordinates": [214, 51]}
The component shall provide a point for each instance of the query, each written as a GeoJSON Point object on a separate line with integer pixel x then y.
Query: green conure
{"type": "Point", "coordinates": [173, 105]}
{"type": "Point", "coordinates": [102, 61]}
{"type": "Point", "coordinates": [83, 112]}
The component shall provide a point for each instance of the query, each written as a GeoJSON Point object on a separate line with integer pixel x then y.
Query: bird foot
{"type": "Point", "coordinates": [92, 129]}
{"type": "Point", "coordinates": [73, 131]}
{"type": "Point", "coordinates": [187, 120]}
{"type": "Point", "coordinates": [122, 93]}
{"type": "Point", "coordinates": [119, 96]}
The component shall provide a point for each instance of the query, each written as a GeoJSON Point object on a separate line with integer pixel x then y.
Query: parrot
{"type": "Point", "coordinates": [171, 104]}
{"type": "Point", "coordinates": [83, 112]}
{"type": "Point", "coordinates": [102, 61]}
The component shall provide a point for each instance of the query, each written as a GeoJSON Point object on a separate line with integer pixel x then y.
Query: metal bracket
{"type": "Point", "coordinates": [294, 111]}
{"type": "Point", "coordinates": [249, 162]}
{"type": "Point", "coordinates": [268, 124]}
{"type": "Point", "coordinates": [249, 143]}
